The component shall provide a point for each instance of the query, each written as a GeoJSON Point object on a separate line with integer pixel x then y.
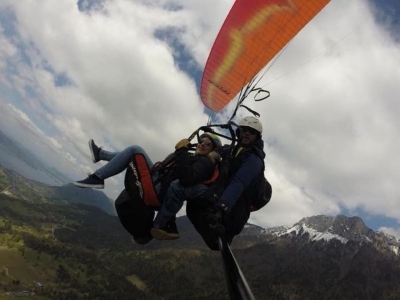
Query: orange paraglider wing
{"type": "Point", "coordinates": [252, 34]}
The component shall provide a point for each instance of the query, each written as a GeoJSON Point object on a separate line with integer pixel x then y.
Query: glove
{"type": "Point", "coordinates": [221, 206]}
{"type": "Point", "coordinates": [184, 143]}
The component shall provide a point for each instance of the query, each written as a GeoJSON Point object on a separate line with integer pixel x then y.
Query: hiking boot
{"type": "Point", "coordinates": [92, 181]}
{"type": "Point", "coordinates": [166, 232]}
{"type": "Point", "coordinates": [94, 151]}
{"type": "Point", "coordinates": [142, 240]}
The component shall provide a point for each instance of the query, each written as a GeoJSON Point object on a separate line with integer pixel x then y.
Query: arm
{"type": "Point", "coordinates": [249, 169]}
{"type": "Point", "coordinates": [191, 171]}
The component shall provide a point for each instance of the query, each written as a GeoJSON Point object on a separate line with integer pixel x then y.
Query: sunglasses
{"type": "Point", "coordinates": [205, 143]}
{"type": "Point", "coordinates": [250, 130]}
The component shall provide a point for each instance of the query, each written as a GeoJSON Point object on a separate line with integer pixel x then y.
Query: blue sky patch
{"type": "Point", "coordinates": [182, 57]}
{"type": "Point", "coordinates": [372, 221]}
{"type": "Point", "coordinates": [89, 5]}
{"type": "Point", "coordinates": [387, 13]}
{"type": "Point", "coordinates": [62, 79]}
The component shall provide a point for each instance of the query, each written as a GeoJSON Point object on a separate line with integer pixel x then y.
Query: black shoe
{"type": "Point", "coordinates": [94, 151]}
{"type": "Point", "coordinates": [166, 232]}
{"type": "Point", "coordinates": [142, 240]}
{"type": "Point", "coordinates": [91, 182]}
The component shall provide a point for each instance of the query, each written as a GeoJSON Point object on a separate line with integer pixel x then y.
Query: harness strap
{"type": "Point", "coordinates": [213, 177]}
{"type": "Point", "coordinates": [144, 180]}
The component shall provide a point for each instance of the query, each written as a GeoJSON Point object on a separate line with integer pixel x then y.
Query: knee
{"type": "Point", "coordinates": [134, 149]}
{"type": "Point", "coordinates": [175, 188]}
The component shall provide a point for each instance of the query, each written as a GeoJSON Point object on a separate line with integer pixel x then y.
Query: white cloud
{"type": "Point", "coordinates": [390, 230]}
{"type": "Point", "coordinates": [7, 49]}
{"type": "Point", "coordinates": [331, 124]}
{"type": "Point", "coordinates": [125, 84]}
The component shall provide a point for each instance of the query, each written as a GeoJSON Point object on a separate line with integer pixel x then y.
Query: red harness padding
{"type": "Point", "coordinates": [213, 177]}
{"type": "Point", "coordinates": [139, 182]}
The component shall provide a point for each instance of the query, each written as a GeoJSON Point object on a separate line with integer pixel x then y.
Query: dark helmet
{"type": "Point", "coordinates": [214, 139]}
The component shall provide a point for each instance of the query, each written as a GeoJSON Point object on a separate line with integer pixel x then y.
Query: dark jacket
{"type": "Point", "coordinates": [245, 165]}
{"type": "Point", "coordinates": [238, 176]}
{"type": "Point", "coordinates": [192, 169]}
{"type": "Point", "coordinates": [246, 169]}
{"type": "Point", "coordinates": [189, 169]}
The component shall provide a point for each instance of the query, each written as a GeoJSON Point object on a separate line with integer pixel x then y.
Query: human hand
{"type": "Point", "coordinates": [184, 143]}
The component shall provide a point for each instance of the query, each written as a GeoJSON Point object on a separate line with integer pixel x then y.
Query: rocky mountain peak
{"type": "Point", "coordinates": [350, 228]}
{"type": "Point", "coordinates": [347, 230]}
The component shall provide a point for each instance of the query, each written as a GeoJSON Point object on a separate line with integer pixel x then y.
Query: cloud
{"type": "Point", "coordinates": [122, 85]}
{"type": "Point", "coordinates": [115, 71]}
{"type": "Point", "coordinates": [330, 123]}
{"type": "Point", "coordinates": [390, 230]}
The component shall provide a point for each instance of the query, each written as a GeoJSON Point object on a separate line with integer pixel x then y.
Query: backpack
{"type": "Point", "coordinates": [257, 195]}
{"type": "Point", "coordinates": [259, 192]}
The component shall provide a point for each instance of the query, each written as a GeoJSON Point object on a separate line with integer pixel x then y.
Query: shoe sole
{"type": "Point", "coordinates": [91, 151]}
{"type": "Point", "coordinates": [162, 235]}
{"type": "Point", "coordinates": [85, 185]}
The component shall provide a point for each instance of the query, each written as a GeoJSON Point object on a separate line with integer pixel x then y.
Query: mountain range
{"type": "Point", "coordinates": [347, 231]}
{"type": "Point", "coordinates": [325, 257]}
{"type": "Point", "coordinates": [78, 251]}
{"type": "Point", "coordinates": [26, 172]}
{"type": "Point", "coordinates": [70, 241]}
{"type": "Point", "coordinates": [16, 157]}
{"type": "Point", "coordinates": [14, 184]}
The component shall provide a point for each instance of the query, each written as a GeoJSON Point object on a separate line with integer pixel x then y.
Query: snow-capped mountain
{"type": "Point", "coordinates": [321, 257]}
{"type": "Point", "coordinates": [350, 231]}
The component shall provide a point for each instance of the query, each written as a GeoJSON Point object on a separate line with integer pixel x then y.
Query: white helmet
{"type": "Point", "coordinates": [251, 122]}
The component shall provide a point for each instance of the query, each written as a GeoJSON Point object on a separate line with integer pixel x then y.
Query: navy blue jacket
{"type": "Point", "coordinates": [246, 165]}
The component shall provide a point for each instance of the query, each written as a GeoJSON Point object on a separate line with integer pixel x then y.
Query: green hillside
{"type": "Point", "coordinates": [53, 249]}
{"type": "Point", "coordinates": [19, 187]}
{"type": "Point", "coordinates": [74, 251]}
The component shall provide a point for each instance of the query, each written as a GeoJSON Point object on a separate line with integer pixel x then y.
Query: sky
{"type": "Point", "coordinates": [127, 72]}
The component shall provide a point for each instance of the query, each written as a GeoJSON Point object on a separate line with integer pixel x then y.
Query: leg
{"type": "Point", "coordinates": [164, 226]}
{"type": "Point", "coordinates": [119, 161]}
{"type": "Point", "coordinates": [171, 204]}
{"type": "Point", "coordinates": [98, 153]}
{"type": "Point", "coordinates": [107, 155]}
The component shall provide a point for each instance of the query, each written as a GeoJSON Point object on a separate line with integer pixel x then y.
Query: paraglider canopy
{"type": "Point", "coordinates": [251, 36]}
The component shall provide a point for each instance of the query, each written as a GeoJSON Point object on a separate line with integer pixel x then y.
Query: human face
{"type": "Point", "coordinates": [204, 147]}
{"type": "Point", "coordinates": [249, 136]}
